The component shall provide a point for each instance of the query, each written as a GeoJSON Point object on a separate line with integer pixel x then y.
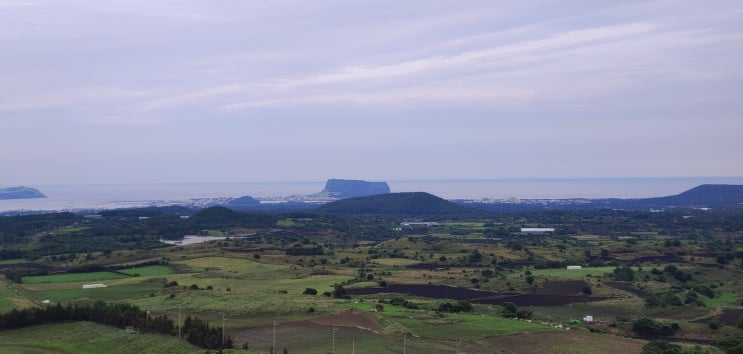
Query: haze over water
{"type": "Point", "coordinates": [102, 196]}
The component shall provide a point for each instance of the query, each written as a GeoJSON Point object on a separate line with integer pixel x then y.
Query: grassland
{"type": "Point", "coordinates": [721, 300]}
{"type": "Point", "coordinates": [10, 298]}
{"type": "Point", "coordinates": [72, 277]}
{"type": "Point", "coordinates": [111, 293]}
{"type": "Point", "coordinates": [572, 274]}
{"type": "Point", "coordinates": [253, 282]}
{"type": "Point", "coordinates": [86, 337]}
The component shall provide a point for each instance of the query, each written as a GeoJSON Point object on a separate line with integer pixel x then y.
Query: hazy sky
{"type": "Point", "coordinates": [210, 91]}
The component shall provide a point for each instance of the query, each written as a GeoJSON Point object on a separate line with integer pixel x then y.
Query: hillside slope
{"type": "Point", "coordinates": [409, 204]}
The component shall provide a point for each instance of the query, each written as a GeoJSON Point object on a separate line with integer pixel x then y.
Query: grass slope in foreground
{"type": "Point", "coordinates": [88, 337]}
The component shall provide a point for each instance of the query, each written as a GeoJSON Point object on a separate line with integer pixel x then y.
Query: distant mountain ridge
{"type": "Point", "coordinates": [20, 193]}
{"type": "Point", "coordinates": [349, 188]}
{"type": "Point", "coordinates": [408, 204]}
{"type": "Point", "coordinates": [710, 195]}
{"type": "Point", "coordinates": [715, 196]}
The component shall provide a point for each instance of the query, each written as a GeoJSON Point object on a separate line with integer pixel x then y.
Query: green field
{"type": "Point", "coordinates": [111, 293]}
{"type": "Point", "coordinates": [10, 299]}
{"type": "Point", "coordinates": [71, 277]}
{"type": "Point", "coordinates": [87, 337]}
{"type": "Point", "coordinates": [575, 274]}
{"type": "Point", "coordinates": [13, 261]}
{"type": "Point", "coordinates": [154, 270]}
{"type": "Point", "coordinates": [721, 300]}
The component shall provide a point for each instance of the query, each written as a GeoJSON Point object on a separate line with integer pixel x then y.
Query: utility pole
{"type": "Point", "coordinates": [333, 351]}
{"type": "Point", "coordinates": [273, 346]}
{"type": "Point", "coordinates": [222, 330]}
{"type": "Point", "coordinates": [353, 346]}
{"type": "Point", "coordinates": [179, 322]}
{"type": "Point", "coordinates": [404, 342]}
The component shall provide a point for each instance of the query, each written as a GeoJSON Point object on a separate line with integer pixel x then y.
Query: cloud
{"type": "Point", "coordinates": [395, 82]}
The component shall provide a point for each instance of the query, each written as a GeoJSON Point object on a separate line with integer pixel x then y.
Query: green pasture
{"type": "Point", "coordinates": [13, 261]}
{"type": "Point", "coordinates": [87, 337]}
{"type": "Point", "coordinates": [272, 296]}
{"type": "Point", "coordinates": [110, 293]}
{"type": "Point", "coordinates": [721, 300]}
{"type": "Point", "coordinates": [10, 299]}
{"type": "Point", "coordinates": [71, 277]}
{"type": "Point", "coordinates": [72, 230]}
{"type": "Point", "coordinates": [285, 223]}
{"type": "Point", "coordinates": [572, 274]}
{"type": "Point", "coordinates": [233, 265]}
{"type": "Point", "coordinates": [454, 326]}
{"type": "Point", "coordinates": [396, 261]}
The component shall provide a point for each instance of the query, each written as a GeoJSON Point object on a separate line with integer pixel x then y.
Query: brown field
{"type": "Point", "coordinates": [568, 342]}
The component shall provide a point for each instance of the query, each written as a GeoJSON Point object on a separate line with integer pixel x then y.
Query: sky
{"type": "Point", "coordinates": [145, 91]}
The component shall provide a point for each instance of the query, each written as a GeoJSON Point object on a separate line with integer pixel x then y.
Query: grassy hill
{"type": "Point", "coordinates": [407, 204]}
{"type": "Point", "coordinates": [88, 337]}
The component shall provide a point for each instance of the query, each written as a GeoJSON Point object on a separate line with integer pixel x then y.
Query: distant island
{"type": "Point", "coordinates": [348, 188]}
{"type": "Point", "coordinates": [20, 193]}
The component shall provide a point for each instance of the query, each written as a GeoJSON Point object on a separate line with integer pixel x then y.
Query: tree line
{"type": "Point", "coordinates": [195, 330]}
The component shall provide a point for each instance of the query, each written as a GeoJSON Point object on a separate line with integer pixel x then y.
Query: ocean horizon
{"type": "Point", "coordinates": [108, 196]}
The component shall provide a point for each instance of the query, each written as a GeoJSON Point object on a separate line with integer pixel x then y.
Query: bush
{"type": "Point", "coordinates": [648, 327]}
{"type": "Point", "coordinates": [459, 306]}
{"type": "Point", "coordinates": [623, 274]}
{"type": "Point", "coordinates": [309, 291]}
{"type": "Point", "coordinates": [509, 309]}
{"type": "Point", "coordinates": [524, 314]}
{"type": "Point", "coordinates": [731, 344]}
{"type": "Point", "coordinates": [661, 347]}
{"type": "Point", "coordinates": [340, 292]}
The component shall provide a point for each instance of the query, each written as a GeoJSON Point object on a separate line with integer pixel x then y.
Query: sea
{"type": "Point", "coordinates": [112, 196]}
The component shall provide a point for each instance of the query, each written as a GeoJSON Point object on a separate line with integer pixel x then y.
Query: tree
{"type": "Point", "coordinates": [309, 291]}
{"type": "Point", "coordinates": [475, 257]}
{"type": "Point", "coordinates": [509, 309]}
{"type": "Point", "coordinates": [624, 274]}
{"type": "Point", "coordinates": [340, 292]}
{"type": "Point", "coordinates": [661, 347]}
{"type": "Point", "coordinates": [648, 327]}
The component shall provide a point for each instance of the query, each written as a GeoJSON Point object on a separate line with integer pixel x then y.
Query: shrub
{"type": "Point", "coordinates": [648, 327]}
{"type": "Point", "coordinates": [309, 291]}
{"type": "Point", "coordinates": [624, 274]}
{"type": "Point", "coordinates": [661, 347]}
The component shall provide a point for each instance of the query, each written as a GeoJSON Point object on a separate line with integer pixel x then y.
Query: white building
{"type": "Point", "coordinates": [537, 229]}
{"type": "Point", "coordinates": [94, 286]}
